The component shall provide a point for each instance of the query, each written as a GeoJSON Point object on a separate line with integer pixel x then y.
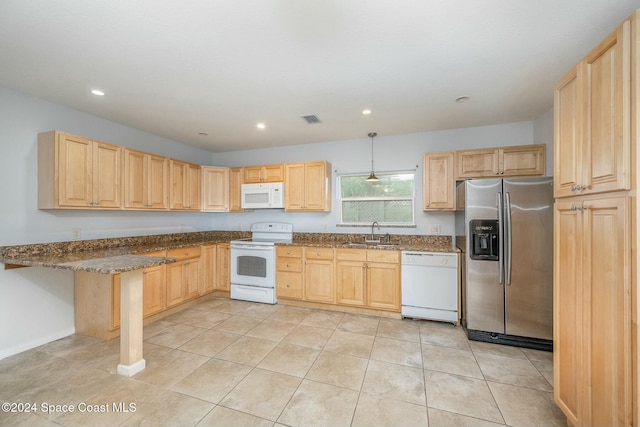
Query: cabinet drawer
{"type": "Point", "coordinates": [289, 285]}
{"type": "Point", "coordinates": [184, 253]}
{"type": "Point", "coordinates": [351, 254]}
{"type": "Point", "coordinates": [289, 251]}
{"type": "Point", "coordinates": [289, 264]}
{"type": "Point", "coordinates": [383, 255]}
{"type": "Point", "coordinates": [318, 253]}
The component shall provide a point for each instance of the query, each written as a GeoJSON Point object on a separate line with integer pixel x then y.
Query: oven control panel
{"type": "Point", "coordinates": [272, 227]}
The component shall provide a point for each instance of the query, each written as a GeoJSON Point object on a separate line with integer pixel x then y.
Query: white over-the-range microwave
{"type": "Point", "coordinates": [269, 195]}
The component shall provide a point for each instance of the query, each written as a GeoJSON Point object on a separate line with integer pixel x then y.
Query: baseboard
{"type": "Point", "coordinates": [4, 353]}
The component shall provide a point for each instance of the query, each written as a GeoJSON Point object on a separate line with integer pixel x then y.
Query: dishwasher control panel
{"type": "Point", "coordinates": [430, 259]}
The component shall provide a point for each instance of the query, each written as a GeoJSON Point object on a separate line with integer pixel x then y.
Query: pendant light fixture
{"type": "Point", "coordinates": [372, 177]}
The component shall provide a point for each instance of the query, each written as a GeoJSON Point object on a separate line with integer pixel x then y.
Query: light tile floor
{"type": "Point", "coordinates": [234, 363]}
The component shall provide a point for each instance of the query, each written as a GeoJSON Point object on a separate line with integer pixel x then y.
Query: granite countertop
{"type": "Point", "coordinates": [118, 255]}
{"type": "Point", "coordinates": [397, 242]}
{"type": "Point", "coordinates": [108, 256]}
{"type": "Point", "coordinates": [102, 261]}
{"type": "Point", "coordinates": [394, 246]}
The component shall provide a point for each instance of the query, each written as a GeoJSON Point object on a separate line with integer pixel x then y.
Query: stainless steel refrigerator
{"type": "Point", "coordinates": [508, 282]}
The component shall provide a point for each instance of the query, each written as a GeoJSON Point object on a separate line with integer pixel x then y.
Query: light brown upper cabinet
{"type": "Point", "coordinates": [518, 160]}
{"type": "Point", "coordinates": [146, 178]}
{"type": "Point", "coordinates": [185, 186]}
{"type": "Point", "coordinates": [215, 189]}
{"type": "Point", "coordinates": [592, 116]}
{"type": "Point", "coordinates": [439, 182]}
{"type": "Point", "coordinates": [235, 187]}
{"type": "Point", "coordinates": [265, 173]}
{"type": "Point", "coordinates": [308, 186]}
{"type": "Point", "coordinates": [78, 173]}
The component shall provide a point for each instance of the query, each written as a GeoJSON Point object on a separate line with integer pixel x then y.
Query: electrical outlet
{"type": "Point", "coordinates": [325, 227]}
{"type": "Point", "coordinates": [435, 229]}
{"type": "Point", "coordinates": [76, 234]}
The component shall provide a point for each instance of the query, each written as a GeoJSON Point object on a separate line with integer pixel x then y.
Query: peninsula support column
{"type": "Point", "coordinates": [131, 361]}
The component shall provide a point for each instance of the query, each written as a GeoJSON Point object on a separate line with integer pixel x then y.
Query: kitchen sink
{"type": "Point", "coordinates": [354, 245]}
{"type": "Point", "coordinates": [368, 245]}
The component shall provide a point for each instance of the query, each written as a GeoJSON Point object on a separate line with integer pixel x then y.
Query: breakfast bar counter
{"type": "Point", "coordinates": [130, 269]}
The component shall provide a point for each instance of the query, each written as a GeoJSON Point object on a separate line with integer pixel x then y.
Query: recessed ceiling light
{"type": "Point", "coordinates": [203, 134]}
{"type": "Point", "coordinates": [261, 126]}
{"type": "Point", "coordinates": [97, 92]}
{"type": "Point", "coordinates": [366, 111]}
{"type": "Point", "coordinates": [462, 99]}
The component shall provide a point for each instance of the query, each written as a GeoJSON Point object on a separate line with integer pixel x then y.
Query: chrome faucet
{"type": "Point", "coordinates": [373, 236]}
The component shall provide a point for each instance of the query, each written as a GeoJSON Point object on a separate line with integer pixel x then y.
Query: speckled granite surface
{"type": "Point", "coordinates": [109, 256]}
{"type": "Point", "coordinates": [118, 255]}
{"type": "Point", "coordinates": [399, 241]}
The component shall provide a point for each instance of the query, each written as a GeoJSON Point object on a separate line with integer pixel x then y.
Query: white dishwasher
{"type": "Point", "coordinates": [430, 285]}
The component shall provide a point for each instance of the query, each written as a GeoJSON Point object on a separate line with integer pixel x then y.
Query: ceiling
{"type": "Point", "coordinates": [218, 67]}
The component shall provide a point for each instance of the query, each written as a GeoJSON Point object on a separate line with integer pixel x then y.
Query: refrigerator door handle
{"type": "Point", "coordinates": [507, 241]}
{"type": "Point", "coordinates": [500, 240]}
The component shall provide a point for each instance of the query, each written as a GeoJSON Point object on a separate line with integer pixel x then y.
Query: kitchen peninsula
{"type": "Point", "coordinates": [129, 267]}
{"type": "Point", "coordinates": [123, 257]}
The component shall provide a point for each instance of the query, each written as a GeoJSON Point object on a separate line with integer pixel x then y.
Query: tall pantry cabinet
{"type": "Point", "coordinates": [596, 378]}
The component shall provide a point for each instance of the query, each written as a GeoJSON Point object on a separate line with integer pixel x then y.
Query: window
{"type": "Point", "coordinates": [388, 201]}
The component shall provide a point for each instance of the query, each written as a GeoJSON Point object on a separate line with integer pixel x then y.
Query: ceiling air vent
{"type": "Point", "coordinates": [312, 119]}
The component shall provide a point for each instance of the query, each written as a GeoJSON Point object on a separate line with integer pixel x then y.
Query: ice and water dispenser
{"type": "Point", "coordinates": [484, 239]}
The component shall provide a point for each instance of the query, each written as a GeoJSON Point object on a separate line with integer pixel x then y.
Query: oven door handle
{"type": "Point", "coordinates": [253, 247]}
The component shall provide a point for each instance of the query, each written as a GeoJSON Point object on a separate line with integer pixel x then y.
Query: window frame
{"type": "Point", "coordinates": [364, 175]}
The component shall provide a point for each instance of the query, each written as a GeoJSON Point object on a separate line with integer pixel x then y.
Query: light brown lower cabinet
{"type": "Point", "coordinates": [153, 288]}
{"type": "Point", "coordinates": [593, 369]}
{"type": "Point", "coordinates": [289, 272]}
{"type": "Point", "coordinates": [96, 318]}
{"type": "Point", "coordinates": [223, 256]}
{"type": "Point", "coordinates": [318, 275]}
{"type": "Point", "coordinates": [368, 278]}
{"type": "Point", "coordinates": [199, 270]}
{"type": "Point", "coordinates": [349, 277]}
{"type": "Point", "coordinates": [183, 276]}
{"type": "Point", "coordinates": [209, 269]}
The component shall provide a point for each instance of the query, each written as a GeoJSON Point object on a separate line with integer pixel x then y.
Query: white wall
{"type": "Point", "coordinates": [36, 304]}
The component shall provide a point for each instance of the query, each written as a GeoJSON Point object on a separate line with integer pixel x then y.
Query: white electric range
{"type": "Point", "coordinates": [253, 262]}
